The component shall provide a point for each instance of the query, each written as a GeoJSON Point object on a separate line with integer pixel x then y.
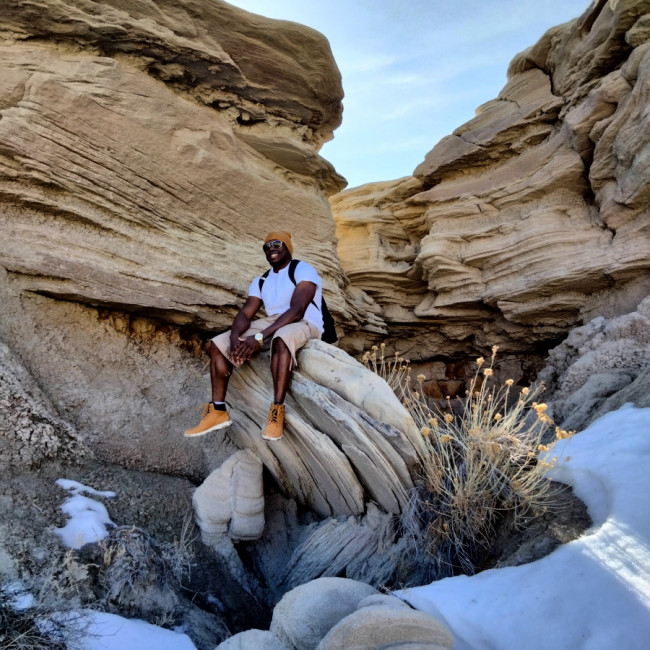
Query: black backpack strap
{"type": "Point", "coordinates": [262, 278]}
{"type": "Point", "coordinates": [292, 275]}
{"type": "Point", "coordinates": [292, 270]}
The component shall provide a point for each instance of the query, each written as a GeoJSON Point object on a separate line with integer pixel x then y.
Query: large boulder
{"type": "Point", "coordinates": [305, 614]}
{"type": "Point", "coordinates": [531, 218]}
{"type": "Point", "coordinates": [338, 451]}
{"type": "Point", "coordinates": [383, 628]}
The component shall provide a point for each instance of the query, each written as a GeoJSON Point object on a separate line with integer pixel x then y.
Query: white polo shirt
{"type": "Point", "coordinates": [277, 291]}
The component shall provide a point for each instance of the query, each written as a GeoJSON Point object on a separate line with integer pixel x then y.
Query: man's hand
{"type": "Point", "coordinates": [244, 349]}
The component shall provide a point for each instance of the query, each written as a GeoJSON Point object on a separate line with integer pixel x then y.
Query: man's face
{"type": "Point", "coordinates": [276, 252]}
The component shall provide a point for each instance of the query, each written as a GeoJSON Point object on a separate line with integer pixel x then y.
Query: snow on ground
{"type": "Point", "coordinates": [111, 632]}
{"type": "Point", "coordinates": [87, 523]}
{"type": "Point", "coordinates": [88, 518]}
{"type": "Point", "coordinates": [590, 594]}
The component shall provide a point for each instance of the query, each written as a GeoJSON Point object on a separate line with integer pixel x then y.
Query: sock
{"type": "Point", "coordinates": [219, 406]}
{"type": "Point", "coordinates": [278, 403]}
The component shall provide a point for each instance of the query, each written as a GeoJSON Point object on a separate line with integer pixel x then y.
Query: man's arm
{"type": "Point", "coordinates": [302, 295]}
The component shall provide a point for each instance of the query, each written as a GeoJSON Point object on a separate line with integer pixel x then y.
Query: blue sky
{"type": "Point", "coordinates": [414, 70]}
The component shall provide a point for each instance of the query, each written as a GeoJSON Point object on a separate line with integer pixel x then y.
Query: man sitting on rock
{"type": "Point", "coordinates": [292, 319]}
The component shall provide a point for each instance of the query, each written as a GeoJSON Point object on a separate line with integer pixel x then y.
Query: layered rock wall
{"type": "Point", "coordinates": [147, 148]}
{"type": "Point", "coordinates": [530, 218]}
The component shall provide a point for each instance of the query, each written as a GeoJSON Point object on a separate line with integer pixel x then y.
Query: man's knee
{"type": "Point", "coordinates": [280, 347]}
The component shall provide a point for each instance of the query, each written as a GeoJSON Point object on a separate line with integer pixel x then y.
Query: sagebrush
{"type": "Point", "coordinates": [479, 459]}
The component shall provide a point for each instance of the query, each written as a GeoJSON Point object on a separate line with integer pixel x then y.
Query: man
{"type": "Point", "coordinates": [292, 319]}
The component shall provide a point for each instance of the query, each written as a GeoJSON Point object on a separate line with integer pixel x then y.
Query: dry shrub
{"type": "Point", "coordinates": [40, 611]}
{"type": "Point", "coordinates": [133, 563]}
{"type": "Point", "coordinates": [128, 573]}
{"type": "Point", "coordinates": [474, 467]}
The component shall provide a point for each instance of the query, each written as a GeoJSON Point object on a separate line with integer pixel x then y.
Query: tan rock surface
{"type": "Point", "coordinates": [334, 456]}
{"type": "Point", "coordinates": [146, 148]}
{"type": "Point", "coordinates": [529, 219]}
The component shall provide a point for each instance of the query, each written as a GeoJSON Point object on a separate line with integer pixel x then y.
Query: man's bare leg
{"type": "Point", "coordinates": [215, 416]}
{"type": "Point", "coordinates": [281, 372]}
{"type": "Point", "coordinates": [220, 371]}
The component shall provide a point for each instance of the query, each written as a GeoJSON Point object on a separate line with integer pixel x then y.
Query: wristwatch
{"type": "Point", "coordinates": [259, 337]}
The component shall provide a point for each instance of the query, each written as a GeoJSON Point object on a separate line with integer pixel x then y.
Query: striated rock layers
{"type": "Point", "coordinates": [529, 219]}
{"type": "Point", "coordinates": [146, 148]}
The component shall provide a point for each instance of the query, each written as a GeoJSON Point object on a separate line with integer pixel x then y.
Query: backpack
{"type": "Point", "coordinates": [329, 328]}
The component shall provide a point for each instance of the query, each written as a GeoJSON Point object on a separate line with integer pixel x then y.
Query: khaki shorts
{"type": "Point", "coordinates": [295, 335]}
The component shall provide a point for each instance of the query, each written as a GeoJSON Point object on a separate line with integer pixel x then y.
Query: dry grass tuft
{"type": "Point", "coordinates": [35, 615]}
{"type": "Point", "coordinates": [133, 561]}
{"type": "Point", "coordinates": [474, 467]}
{"type": "Point", "coordinates": [129, 573]}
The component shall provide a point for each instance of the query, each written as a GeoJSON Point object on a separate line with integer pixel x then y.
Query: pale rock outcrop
{"type": "Point", "coordinates": [599, 367]}
{"type": "Point", "coordinates": [369, 549]}
{"type": "Point", "coordinates": [333, 613]}
{"type": "Point", "coordinates": [529, 219]}
{"type": "Point", "coordinates": [225, 57]}
{"type": "Point", "coordinates": [334, 456]}
{"type": "Point", "coordinates": [305, 614]}
{"type": "Point", "coordinates": [253, 640]}
{"type": "Point", "coordinates": [354, 471]}
{"type": "Point", "coordinates": [30, 429]}
{"type": "Point", "coordinates": [383, 628]}
{"type": "Point", "coordinates": [231, 500]}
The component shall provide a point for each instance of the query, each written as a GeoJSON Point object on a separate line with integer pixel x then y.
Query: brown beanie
{"type": "Point", "coordinates": [282, 236]}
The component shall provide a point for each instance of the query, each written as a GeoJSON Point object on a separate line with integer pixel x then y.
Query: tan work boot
{"type": "Point", "coordinates": [211, 420]}
{"type": "Point", "coordinates": [275, 424]}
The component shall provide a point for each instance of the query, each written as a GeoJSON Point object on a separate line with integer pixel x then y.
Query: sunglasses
{"type": "Point", "coordinates": [272, 245]}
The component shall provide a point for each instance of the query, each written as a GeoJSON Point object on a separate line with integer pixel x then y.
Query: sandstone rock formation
{"type": "Point", "coordinates": [231, 500]}
{"type": "Point", "coordinates": [145, 150]}
{"type": "Point", "coordinates": [352, 470]}
{"type": "Point", "coordinates": [529, 219]}
{"type": "Point", "coordinates": [146, 147]}
{"type": "Point", "coordinates": [335, 455]}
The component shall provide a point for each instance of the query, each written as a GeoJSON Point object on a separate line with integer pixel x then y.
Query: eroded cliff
{"type": "Point", "coordinates": [146, 148]}
{"type": "Point", "coordinates": [529, 219]}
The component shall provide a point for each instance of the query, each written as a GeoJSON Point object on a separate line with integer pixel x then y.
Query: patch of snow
{"type": "Point", "coordinates": [111, 632]}
{"type": "Point", "coordinates": [88, 518]}
{"type": "Point", "coordinates": [22, 599]}
{"type": "Point", "coordinates": [79, 488]}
